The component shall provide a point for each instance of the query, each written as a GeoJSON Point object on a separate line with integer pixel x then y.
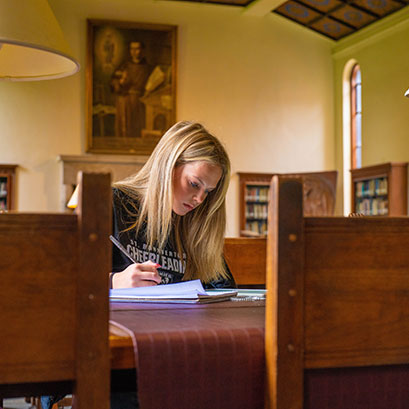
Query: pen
{"type": "Point", "coordinates": [122, 248]}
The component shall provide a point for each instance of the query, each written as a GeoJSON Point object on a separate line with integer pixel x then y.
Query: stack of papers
{"type": "Point", "coordinates": [183, 292]}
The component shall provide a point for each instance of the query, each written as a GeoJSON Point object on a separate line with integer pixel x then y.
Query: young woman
{"type": "Point", "coordinates": [171, 218]}
{"type": "Point", "coordinates": [171, 215]}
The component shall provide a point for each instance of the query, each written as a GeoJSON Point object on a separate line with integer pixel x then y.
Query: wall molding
{"type": "Point", "coordinates": [119, 166]}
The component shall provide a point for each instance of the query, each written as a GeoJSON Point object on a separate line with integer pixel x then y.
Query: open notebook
{"type": "Point", "coordinates": [183, 292]}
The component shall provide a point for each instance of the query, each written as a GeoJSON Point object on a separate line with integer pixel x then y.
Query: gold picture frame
{"type": "Point", "coordinates": [131, 85]}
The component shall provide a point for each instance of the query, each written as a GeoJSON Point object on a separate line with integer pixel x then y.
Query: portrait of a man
{"type": "Point", "coordinates": [131, 88]}
{"type": "Point", "coordinates": [128, 84]}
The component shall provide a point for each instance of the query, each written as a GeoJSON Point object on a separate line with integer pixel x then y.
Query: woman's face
{"type": "Point", "coordinates": [191, 184]}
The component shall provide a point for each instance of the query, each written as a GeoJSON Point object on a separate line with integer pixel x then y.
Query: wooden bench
{"type": "Point", "coordinates": [337, 318]}
{"type": "Point", "coordinates": [54, 299]}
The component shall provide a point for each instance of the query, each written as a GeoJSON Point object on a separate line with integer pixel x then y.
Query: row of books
{"type": "Point", "coordinates": [257, 193]}
{"type": "Point", "coordinates": [259, 227]}
{"type": "Point", "coordinates": [371, 187]}
{"type": "Point", "coordinates": [376, 206]}
{"type": "Point", "coordinates": [256, 211]}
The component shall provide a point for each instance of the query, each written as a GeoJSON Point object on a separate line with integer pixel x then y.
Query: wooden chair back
{"type": "Point", "coordinates": [337, 318]}
{"type": "Point", "coordinates": [246, 258]}
{"type": "Point", "coordinates": [54, 299]}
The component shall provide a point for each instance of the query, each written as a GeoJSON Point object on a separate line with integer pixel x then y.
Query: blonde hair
{"type": "Point", "coordinates": [200, 233]}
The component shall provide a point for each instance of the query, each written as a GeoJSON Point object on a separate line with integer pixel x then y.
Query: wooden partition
{"type": "Point", "coordinates": [54, 299]}
{"type": "Point", "coordinates": [337, 319]}
{"type": "Point", "coordinates": [246, 258]}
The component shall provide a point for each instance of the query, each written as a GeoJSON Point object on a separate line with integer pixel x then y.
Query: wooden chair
{"type": "Point", "coordinates": [337, 318]}
{"type": "Point", "coordinates": [246, 258]}
{"type": "Point", "coordinates": [54, 299]}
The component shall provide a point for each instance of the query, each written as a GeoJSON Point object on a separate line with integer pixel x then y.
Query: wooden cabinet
{"type": "Point", "coordinates": [319, 198]}
{"type": "Point", "coordinates": [7, 178]}
{"type": "Point", "coordinates": [380, 190]}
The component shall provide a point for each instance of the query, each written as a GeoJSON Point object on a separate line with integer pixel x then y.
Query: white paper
{"type": "Point", "coordinates": [188, 290]}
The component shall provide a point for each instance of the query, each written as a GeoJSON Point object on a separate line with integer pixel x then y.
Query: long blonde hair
{"type": "Point", "coordinates": [200, 233]}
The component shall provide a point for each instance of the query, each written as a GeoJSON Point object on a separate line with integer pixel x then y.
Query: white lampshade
{"type": "Point", "coordinates": [73, 202]}
{"type": "Point", "coordinates": [407, 93]}
{"type": "Point", "coordinates": [32, 43]}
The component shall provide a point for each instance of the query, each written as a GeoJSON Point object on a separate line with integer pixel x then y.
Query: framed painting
{"type": "Point", "coordinates": [131, 85]}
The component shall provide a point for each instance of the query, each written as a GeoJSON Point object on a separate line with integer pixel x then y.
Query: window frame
{"type": "Point", "coordinates": [356, 113]}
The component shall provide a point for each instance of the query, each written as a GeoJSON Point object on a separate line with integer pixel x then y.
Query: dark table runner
{"type": "Point", "coordinates": [197, 356]}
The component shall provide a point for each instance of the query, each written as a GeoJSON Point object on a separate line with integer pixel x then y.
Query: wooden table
{"type": "Point", "coordinates": [204, 356]}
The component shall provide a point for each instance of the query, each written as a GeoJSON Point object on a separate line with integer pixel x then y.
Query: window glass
{"type": "Point", "coordinates": [356, 118]}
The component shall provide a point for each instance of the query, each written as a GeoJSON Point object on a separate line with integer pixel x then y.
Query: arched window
{"type": "Point", "coordinates": [356, 118]}
{"type": "Point", "coordinates": [351, 127]}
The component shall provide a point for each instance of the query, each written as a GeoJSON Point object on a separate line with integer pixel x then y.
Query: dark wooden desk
{"type": "Point", "coordinates": [203, 356]}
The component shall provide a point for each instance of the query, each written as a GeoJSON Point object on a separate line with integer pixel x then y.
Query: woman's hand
{"type": "Point", "coordinates": [137, 275]}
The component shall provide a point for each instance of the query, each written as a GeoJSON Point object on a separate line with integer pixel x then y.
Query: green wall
{"type": "Point", "coordinates": [382, 51]}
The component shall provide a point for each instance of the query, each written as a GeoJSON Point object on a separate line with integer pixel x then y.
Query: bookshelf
{"type": "Point", "coordinates": [7, 181]}
{"type": "Point", "coordinates": [318, 191]}
{"type": "Point", "coordinates": [380, 190]}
